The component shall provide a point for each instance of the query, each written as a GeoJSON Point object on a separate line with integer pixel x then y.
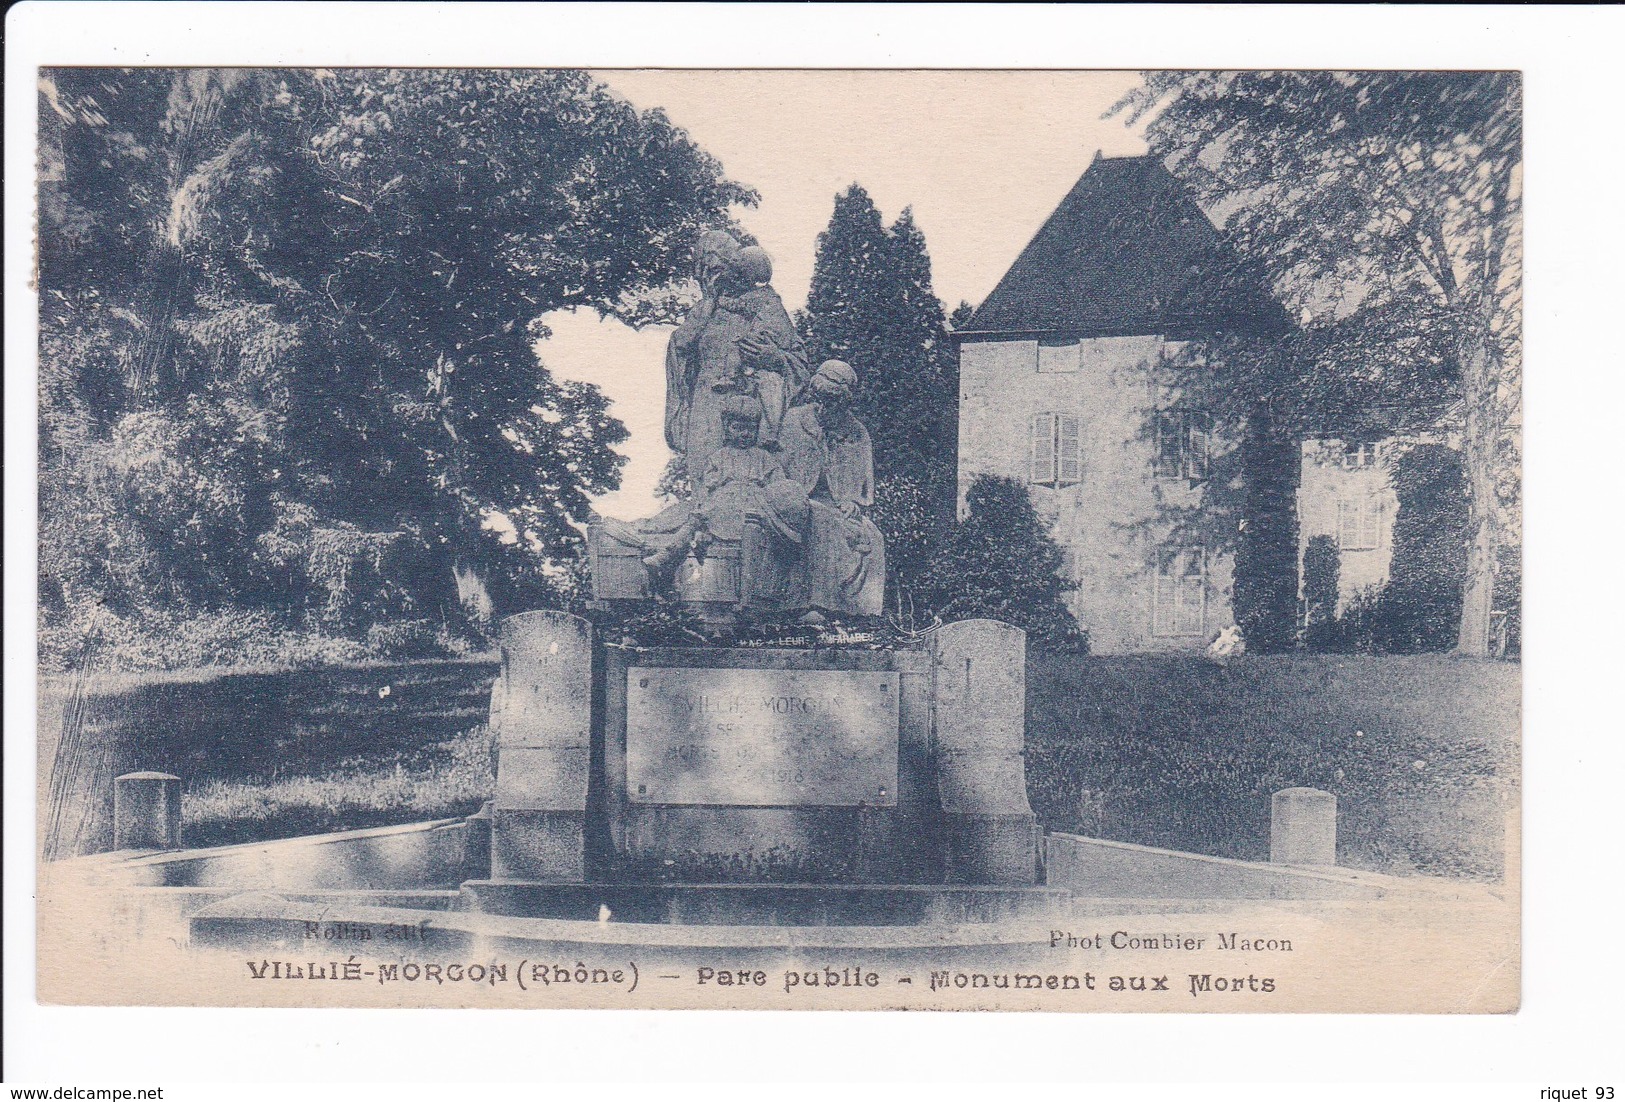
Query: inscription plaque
{"type": "Point", "coordinates": [761, 738]}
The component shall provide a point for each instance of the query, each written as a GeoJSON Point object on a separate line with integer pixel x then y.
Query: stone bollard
{"type": "Point", "coordinates": [147, 811]}
{"type": "Point", "coordinates": [1303, 827]}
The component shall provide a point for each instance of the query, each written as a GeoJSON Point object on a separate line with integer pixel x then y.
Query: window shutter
{"type": "Point", "coordinates": [1069, 450]}
{"type": "Point", "coordinates": [1371, 522]}
{"type": "Point", "coordinates": [1179, 599]}
{"type": "Point", "coordinates": [1192, 597]}
{"type": "Point", "coordinates": [1359, 523]}
{"type": "Point", "coordinates": [1196, 434]}
{"type": "Point", "coordinates": [1043, 448]}
{"type": "Point", "coordinates": [1168, 460]}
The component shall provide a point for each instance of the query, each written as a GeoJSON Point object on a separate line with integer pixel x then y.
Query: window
{"type": "Point", "coordinates": [1056, 449]}
{"type": "Point", "coordinates": [1359, 523]}
{"type": "Point", "coordinates": [1058, 356]}
{"type": "Point", "coordinates": [1359, 457]}
{"type": "Point", "coordinates": [1179, 605]}
{"type": "Point", "coordinates": [1182, 443]}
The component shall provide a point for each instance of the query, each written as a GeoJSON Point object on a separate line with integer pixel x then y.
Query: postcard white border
{"type": "Point", "coordinates": [1572, 744]}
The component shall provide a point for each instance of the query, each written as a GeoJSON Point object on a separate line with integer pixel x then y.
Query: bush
{"type": "Point", "coordinates": [96, 638]}
{"type": "Point", "coordinates": [1001, 563]}
{"type": "Point", "coordinates": [1321, 579]}
{"type": "Point", "coordinates": [1265, 594]}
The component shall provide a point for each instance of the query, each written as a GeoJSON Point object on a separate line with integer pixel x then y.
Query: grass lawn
{"type": "Point", "coordinates": [267, 753]}
{"type": "Point", "coordinates": [435, 781]}
{"type": "Point", "coordinates": [1422, 752]}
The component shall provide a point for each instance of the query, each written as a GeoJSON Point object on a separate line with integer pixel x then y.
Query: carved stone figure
{"type": "Point", "coordinates": [743, 499]}
{"type": "Point", "coordinates": [711, 257]}
{"type": "Point", "coordinates": [737, 341]}
{"type": "Point", "coordinates": [826, 449]}
{"type": "Point", "coordinates": [778, 517]}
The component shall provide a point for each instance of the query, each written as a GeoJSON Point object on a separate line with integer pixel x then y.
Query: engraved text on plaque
{"type": "Point", "coordinates": [761, 738]}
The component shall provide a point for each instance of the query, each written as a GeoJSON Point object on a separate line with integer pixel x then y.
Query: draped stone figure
{"type": "Point", "coordinates": [711, 258]}
{"type": "Point", "coordinates": [826, 449]}
{"type": "Point", "coordinates": [738, 340]}
{"type": "Point", "coordinates": [776, 520]}
{"type": "Point", "coordinates": [743, 502]}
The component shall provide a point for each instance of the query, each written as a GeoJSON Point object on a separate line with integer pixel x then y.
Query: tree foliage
{"type": "Point", "coordinates": [871, 304]}
{"type": "Point", "coordinates": [288, 321]}
{"type": "Point", "coordinates": [1420, 607]}
{"type": "Point", "coordinates": [1385, 209]}
{"type": "Point", "coordinates": [1002, 563]}
{"type": "Point", "coordinates": [1322, 570]}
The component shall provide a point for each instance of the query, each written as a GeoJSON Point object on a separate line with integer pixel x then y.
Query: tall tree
{"type": "Point", "coordinates": [1386, 210]}
{"type": "Point", "coordinates": [872, 304]}
{"type": "Point", "coordinates": [288, 320]}
{"type": "Point", "coordinates": [1421, 604]}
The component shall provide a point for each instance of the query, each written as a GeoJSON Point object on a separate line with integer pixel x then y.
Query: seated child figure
{"type": "Point", "coordinates": [767, 358]}
{"type": "Point", "coordinates": [741, 482]}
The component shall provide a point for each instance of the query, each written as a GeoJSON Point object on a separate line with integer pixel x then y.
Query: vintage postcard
{"type": "Point", "coordinates": [780, 539]}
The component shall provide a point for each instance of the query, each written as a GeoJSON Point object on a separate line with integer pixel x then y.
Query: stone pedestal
{"type": "Point", "coordinates": [693, 765]}
{"type": "Point", "coordinates": [1303, 827]}
{"type": "Point", "coordinates": [544, 719]}
{"type": "Point", "coordinates": [980, 684]}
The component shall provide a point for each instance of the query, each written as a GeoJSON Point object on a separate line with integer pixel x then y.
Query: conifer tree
{"type": "Point", "coordinates": [872, 304]}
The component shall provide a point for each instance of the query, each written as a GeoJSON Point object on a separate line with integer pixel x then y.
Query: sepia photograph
{"type": "Point", "coordinates": [604, 536]}
{"type": "Point", "coordinates": [1138, 632]}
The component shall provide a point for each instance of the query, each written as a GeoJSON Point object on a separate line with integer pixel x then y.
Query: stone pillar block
{"type": "Point", "coordinates": [147, 811]}
{"type": "Point", "coordinates": [547, 846]}
{"type": "Point", "coordinates": [980, 701]}
{"type": "Point", "coordinates": [1303, 827]}
{"type": "Point", "coordinates": [542, 714]}
{"type": "Point", "coordinates": [477, 844]}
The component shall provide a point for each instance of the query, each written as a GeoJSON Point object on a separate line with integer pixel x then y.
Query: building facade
{"type": "Point", "coordinates": [1346, 499]}
{"type": "Point", "coordinates": [1070, 381]}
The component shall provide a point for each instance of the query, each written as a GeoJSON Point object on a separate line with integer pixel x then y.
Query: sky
{"type": "Point", "coordinates": [982, 157]}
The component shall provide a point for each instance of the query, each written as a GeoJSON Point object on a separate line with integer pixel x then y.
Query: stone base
{"type": "Point", "coordinates": [992, 849]}
{"type": "Point", "coordinates": [854, 765]}
{"type": "Point", "coordinates": [766, 904]}
{"type": "Point", "coordinates": [547, 845]}
{"type": "Point", "coordinates": [263, 924]}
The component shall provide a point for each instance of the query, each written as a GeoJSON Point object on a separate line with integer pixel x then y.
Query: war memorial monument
{"type": "Point", "coordinates": [858, 765]}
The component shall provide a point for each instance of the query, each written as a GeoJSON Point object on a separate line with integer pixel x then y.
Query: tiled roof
{"type": "Point", "coordinates": [1127, 251]}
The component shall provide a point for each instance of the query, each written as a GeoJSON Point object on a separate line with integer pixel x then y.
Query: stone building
{"type": "Point", "coordinates": [1067, 383]}
{"type": "Point", "coordinates": [1346, 495]}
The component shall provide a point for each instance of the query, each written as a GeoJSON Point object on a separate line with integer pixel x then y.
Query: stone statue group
{"type": "Point", "coordinates": [781, 470]}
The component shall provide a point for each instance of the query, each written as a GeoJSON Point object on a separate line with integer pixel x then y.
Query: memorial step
{"type": "Point", "coordinates": [766, 904]}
